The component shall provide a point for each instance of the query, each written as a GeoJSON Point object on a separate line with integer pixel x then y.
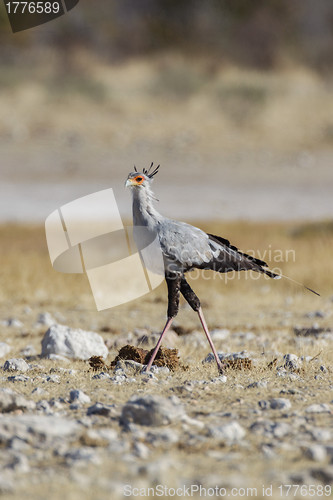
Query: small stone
{"type": "Point", "coordinates": [315, 314]}
{"type": "Point", "coordinates": [4, 349]}
{"type": "Point", "coordinates": [41, 426]}
{"type": "Point", "coordinates": [128, 365]}
{"type": "Point", "coordinates": [12, 322]}
{"type": "Point", "coordinates": [82, 456]}
{"type": "Point", "coordinates": [260, 384]}
{"type": "Point", "coordinates": [316, 452]}
{"type": "Point", "coordinates": [6, 485]}
{"type": "Point", "coordinates": [101, 376]}
{"type": "Point", "coordinates": [19, 463]}
{"type": "Point", "coordinates": [16, 365]}
{"type": "Point", "coordinates": [160, 437]}
{"type": "Point", "coordinates": [141, 450]}
{"type": "Point", "coordinates": [275, 404]}
{"type": "Point", "coordinates": [270, 429]}
{"type": "Point", "coordinates": [231, 432]}
{"type": "Point", "coordinates": [100, 409]}
{"type": "Point", "coordinates": [12, 401]}
{"type": "Point", "coordinates": [54, 379]}
{"type": "Point", "coordinates": [222, 379]}
{"type": "Point", "coordinates": [77, 396]}
{"type": "Point", "coordinates": [219, 334]}
{"type": "Point", "coordinates": [280, 404]}
{"type": "Point", "coordinates": [73, 343]}
{"type": "Point", "coordinates": [321, 434]}
{"type": "Point", "coordinates": [319, 408]}
{"type": "Point", "coordinates": [152, 410]}
{"type": "Point", "coordinates": [39, 391]}
{"type": "Point", "coordinates": [18, 378]}
{"type": "Point", "coordinates": [29, 350]}
{"type": "Point", "coordinates": [291, 362]}
{"type": "Point", "coordinates": [324, 474]}
{"type": "Point", "coordinates": [45, 319]}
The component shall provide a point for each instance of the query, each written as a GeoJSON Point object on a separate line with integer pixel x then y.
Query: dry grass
{"type": "Point", "coordinates": [268, 308]}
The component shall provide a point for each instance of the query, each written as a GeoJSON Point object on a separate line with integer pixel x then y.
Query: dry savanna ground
{"type": "Point", "coordinates": [259, 316]}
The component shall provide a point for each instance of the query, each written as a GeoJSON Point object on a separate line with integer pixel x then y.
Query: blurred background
{"type": "Point", "coordinates": [232, 97]}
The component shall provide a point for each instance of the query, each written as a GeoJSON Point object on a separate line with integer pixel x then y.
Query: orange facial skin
{"type": "Point", "coordinates": [138, 179]}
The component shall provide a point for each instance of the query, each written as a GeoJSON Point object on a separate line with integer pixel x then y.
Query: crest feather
{"type": "Point", "coordinates": [148, 172]}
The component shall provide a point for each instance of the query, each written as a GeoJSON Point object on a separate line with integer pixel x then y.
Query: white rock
{"type": "Point", "coordinates": [321, 434]}
{"type": "Point", "coordinates": [83, 455]}
{"type": "Point", "coordinates": [152, 410]}
{"type": "Point", "coordinates": [319, 408]}
{"type": "Point", "coordinates": [77, 396]}
{"type": "Point", "coordinates": [316, 452]}
{"type": "Point", "coordinates": [45, 319]}
{"type": "Point", "coordinates": [43, 426]}
{"type": "Point", "coordinates": [101, 376]}
{"type": "Point", "coordinates": [4, 349]}
{"type": "Point", "coordinates": [275, 404]}
{"type": "Point", "coordinates": [101, 409]}
{"type": "Point", "coordinates": [73, 343]}
{"type": "Point", "coordinates": [270, 429]}
{"type": "Point", "coordinates": [230, 432]}
{"type": "Point", "coordinates": [11, 401]}
{"type": "Point", "coordinates": [16, 365]}
{"type": "Point", "coordinates": [291, 362]}
{"type": "Point", "coordinates": [219, 334]}
{"type": "Point", "coordinates": [140, 450]}
{"type": "Point", "coordinates": [29, 350]}
{"type": "Point", "coordinates": [159, 437]}
{"type": "Point", "coordinates": [12, 322]}
{"type": "Point", "coordinates": [18, 378]}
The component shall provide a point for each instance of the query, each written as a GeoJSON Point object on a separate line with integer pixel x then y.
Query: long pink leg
{"type": "Point", "coordinates": [153, 356]}
{"type": "Point", "coordinates": [209, 338]}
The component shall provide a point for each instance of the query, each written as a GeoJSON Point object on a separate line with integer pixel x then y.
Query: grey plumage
{"type": "Point", "coordinates": [184, 247]}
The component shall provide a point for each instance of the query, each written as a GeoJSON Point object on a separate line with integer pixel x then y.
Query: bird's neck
{"type": "Point", "coordinates": [144, 212]}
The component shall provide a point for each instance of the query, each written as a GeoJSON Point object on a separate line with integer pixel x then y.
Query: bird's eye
{"type": "Point", "coordinates": [139, 179]}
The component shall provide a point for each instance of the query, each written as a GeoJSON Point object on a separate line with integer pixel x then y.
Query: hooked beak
{"type": "Point", "coordinates": [128, 183]}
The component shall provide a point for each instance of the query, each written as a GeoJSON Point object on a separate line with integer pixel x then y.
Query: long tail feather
{"type": "Point", "coordinates": [298, 283]}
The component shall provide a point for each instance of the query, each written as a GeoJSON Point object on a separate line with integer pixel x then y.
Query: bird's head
{"type": "Point", "coordinates": [136, 179]}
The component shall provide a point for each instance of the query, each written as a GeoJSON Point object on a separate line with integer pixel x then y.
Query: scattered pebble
{"type": "Point", "coordinates": [4, 349]}
{"type": "Point", "coordinates": [45, 319]}
{"type": "Point", "coordinates": [315, 452]}
{"type": "Point", "coordinates": [291, 362]}
{"type": "Point", "coordinates": [319, 408]}
{"type": "Point", "coordinates": [152, 410]}
{"type": "Point", "coordinates": [231, 432]}
{"type": "Point", "coordinates": [12, 323]}
{"type": "Point", "coordinates": [11, 401]}
{"type": "Point", "coordinates": [16, 365]}
{"type": "Point", "coordinates": [100, 409]}
{"type": "Point", "coordinates": [271, 429]}
{"type": "Point", "coordinates": [77, 396]}
{"type": "Point", "coordinates": [275, 404]}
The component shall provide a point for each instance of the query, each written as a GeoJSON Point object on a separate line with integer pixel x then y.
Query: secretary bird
{"type": "Point", "coordinates": [185, 247]}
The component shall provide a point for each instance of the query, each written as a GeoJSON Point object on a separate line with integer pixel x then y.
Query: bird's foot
{"type": "Point", "coordinates": [222, 368]}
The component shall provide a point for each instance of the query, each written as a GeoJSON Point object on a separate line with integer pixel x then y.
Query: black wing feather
{"type": "Point", "coordinates": [236, 260]}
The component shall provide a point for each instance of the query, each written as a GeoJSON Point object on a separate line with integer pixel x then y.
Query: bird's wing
{"type": "Point", "coordinates": [189, 247]}
{"type": "Point", "coordinates": [227, 257]}
{"type": "Point", "coordinates": [186, 245]}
